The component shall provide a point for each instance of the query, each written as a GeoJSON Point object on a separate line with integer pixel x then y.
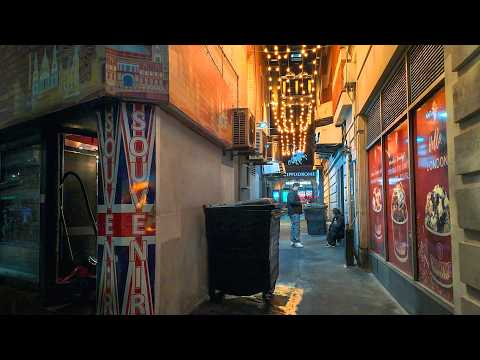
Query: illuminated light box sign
{"type": "Point", "coordinates": [273, 168]}
{"type": "Point", "coordinates": [301, 174]}
{"type": "Point", "coordinates": [297, 57]}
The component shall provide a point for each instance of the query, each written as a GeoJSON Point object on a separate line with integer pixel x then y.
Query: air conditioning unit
{"type": "Point", "coordinates": [261, 142]}
{"type": "Point", "coordinates": [348, 72]}
{"type": "Point", "coordinates": [243, 123]}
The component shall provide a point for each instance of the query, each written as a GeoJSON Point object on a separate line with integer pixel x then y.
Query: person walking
{"type": "Point", "coordinates": [294, 206]}
{"type": "Point", "coordinates": [336, 230]}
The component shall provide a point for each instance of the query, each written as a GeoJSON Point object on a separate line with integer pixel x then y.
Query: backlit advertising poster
{"type": "Point", "coordinates": [398, 199]}
{"type": "Point", "coordinates": [375, 189]}
{"type": "Point", "coordinates": [432, 196]}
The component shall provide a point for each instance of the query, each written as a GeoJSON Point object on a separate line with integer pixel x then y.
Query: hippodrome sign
{"type": "Point", "coordinates": [126, 197]}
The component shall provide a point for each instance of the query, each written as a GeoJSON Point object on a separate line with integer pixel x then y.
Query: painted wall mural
{"type": "Point", "coordinates": [44, 79]}
{"type": "Point", "coordinates": [126, 209]}
{"type": "Point", "coordinates": [432, 197]}
{"type": "Point", "coordinates": [137, 71]}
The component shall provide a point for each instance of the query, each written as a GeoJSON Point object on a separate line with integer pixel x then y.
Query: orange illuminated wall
{"type": "Point", "coordinates": [203, 85]}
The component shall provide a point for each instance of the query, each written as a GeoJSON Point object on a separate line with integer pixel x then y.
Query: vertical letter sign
{"type": "Point", "coordinates": [126, 218]}
{"type": "Point", "coordinates": [433, 210]}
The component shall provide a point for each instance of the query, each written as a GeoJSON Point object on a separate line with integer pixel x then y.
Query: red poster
{"type": "Point", "coordinates": [432, 203]}
{"type": "Point", "coordinates": [398, 199]}
{"type": "Point", "coordinates": [375, 189]}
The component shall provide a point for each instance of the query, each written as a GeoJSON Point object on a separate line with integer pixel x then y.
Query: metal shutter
{"type": "Point", "coordinates": [425, 65]}
{"type": "Point", "coordinates": [394, 96]}
{"type": "Point", "coordinates": [374, 121]}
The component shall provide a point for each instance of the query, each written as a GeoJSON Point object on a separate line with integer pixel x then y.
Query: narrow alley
{"type": "Point", "coordinates": [283, 179]}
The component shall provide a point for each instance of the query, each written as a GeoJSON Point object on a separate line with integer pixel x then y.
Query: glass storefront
{"type": "Point", "coordinates": [430, 223]}
{"type": "Point", "coordinates": [20, 167]}
{"type": "Point", "coordinates": [432, 196]}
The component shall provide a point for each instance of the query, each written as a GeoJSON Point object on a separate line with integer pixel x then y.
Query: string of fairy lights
{"type": "Point", "coordinates": [292, 74]}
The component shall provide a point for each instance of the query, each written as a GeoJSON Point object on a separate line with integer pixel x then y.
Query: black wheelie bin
{"type": "Point", "coordinates": [243, 252]}
{"type": "Point", "coordinates": [315, 217]}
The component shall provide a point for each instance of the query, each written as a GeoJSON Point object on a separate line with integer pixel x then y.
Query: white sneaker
{"type": "Point", "coordinates": [292, 243]}
{"type": "Point", "coordinates": [298, 245]}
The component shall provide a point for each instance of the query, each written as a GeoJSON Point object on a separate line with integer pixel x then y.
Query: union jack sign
{"type": "Point", "coordinates": [126, 212]}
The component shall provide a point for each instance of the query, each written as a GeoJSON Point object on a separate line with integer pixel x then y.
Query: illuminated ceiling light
{"type": "Point", "coordinates": [304, 46]}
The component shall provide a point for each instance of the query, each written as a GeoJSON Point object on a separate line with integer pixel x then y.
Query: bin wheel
{"type": "Point", "coordinates": [267, 296]}
{"type": "Point", "coordinates": [216, 297]}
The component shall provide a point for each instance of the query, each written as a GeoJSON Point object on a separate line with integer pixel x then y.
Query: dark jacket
{"type": "Point", "coordinates": [294, 205]}
{"type": "Point", "coordinates": [337, 227]}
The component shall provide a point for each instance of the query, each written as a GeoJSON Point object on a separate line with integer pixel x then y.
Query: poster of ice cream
{"type": "Point", "coordinates": [398, 198]}
{"type": "Point", "coordinates": [432, 196]}
{"type": "Point", "coordinates": [375, 185]}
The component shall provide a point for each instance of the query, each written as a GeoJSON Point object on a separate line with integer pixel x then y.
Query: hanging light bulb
{"type": "Point", "coordinates": [300, 66]}
{"type": "Point", "coordinates": [275, 47]}
{"type": "Point", "coordinates": [266, 50]}
{"type": "Point", "coordinates": [285, 56]}
{"type": "Point", "coordinates": [305, 54]}
{"type": "Point", "coordinates": [270, 78]}
{"type": "Point", "coordinates": [288, 49]}
{"type": "Point", "coordinates": [268, 56]}
{"type": "Point", "coordinates": [279, 57]}
{"type": "Point", "coordinates": [278, 68]}
{"type": "Point", "coordinates": [269, 68]}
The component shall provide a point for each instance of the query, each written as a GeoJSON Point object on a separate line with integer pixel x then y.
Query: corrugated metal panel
{"type": "Point", "coordinates": [425, 64]}
{"type": "Point", "coordinates": [374, 121]}
{"type": "Point", "coordinates": [394, 96]}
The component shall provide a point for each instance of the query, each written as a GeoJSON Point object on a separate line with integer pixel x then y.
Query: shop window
{"type": "Point", "coordinates": [20, 211]}
{"type": "Point", "coordinates": [432, 196]}
{"type": "Point", "coordinates": [398, 198]}
{"type": "Point", "coordinates": [376, 199]}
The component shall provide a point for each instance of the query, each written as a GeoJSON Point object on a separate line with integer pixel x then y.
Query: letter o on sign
{"type": "Point", "coordinates": [109, 147]}
{"type": "Point", "coordinates": [138, 146]}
